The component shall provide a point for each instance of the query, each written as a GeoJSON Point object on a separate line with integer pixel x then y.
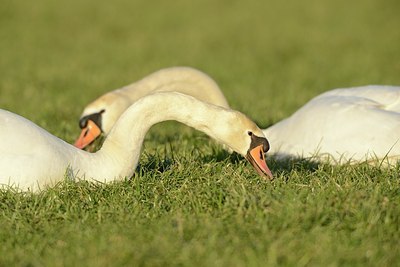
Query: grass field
{"type": "Point", "coordinates": [192, 204]}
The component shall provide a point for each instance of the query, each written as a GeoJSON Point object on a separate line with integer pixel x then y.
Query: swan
{"type": "Point", "coordinates": [100, 115]}
{"type": "Point", "coordinates": [32, 159]}
{"type": "Point", "coordinates": [345, 125]}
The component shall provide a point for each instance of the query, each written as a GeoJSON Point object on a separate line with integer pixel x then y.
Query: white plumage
{"type": "Point", "coordinates": [344, 125]}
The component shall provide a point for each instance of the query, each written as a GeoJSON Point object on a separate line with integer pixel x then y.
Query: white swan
{"type": "Point", "coordinates": [31, 158]}
{"type": "Point", "coordinates": [100, 115]}
{"type": "Point", "coordinates": [343, 125]}
{"type": "Point", "coordinates": [347, 125]}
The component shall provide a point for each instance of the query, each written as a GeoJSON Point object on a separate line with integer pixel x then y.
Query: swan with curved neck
{"type": "Point", "coordinates": [100, 115]}
{"type": "Point", "coordinates": [343, 125]}
{"type": "Point", "coordinates": [43, 159]}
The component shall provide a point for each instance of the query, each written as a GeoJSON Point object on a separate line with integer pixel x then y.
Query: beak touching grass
{"type": "Point", "coordinates": [256, 156]}
{"type": "Point", "coordinates": [88, 135]}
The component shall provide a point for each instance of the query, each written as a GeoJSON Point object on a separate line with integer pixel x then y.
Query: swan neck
{"type": "Point", "coordinates": [123, 145]}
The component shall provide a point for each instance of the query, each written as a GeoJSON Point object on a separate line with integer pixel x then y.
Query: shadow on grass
{"type": "Point", "coordinates": [220, 155]}
{"type": "Point", "coordinates": [282, 166]}
{"type": "Point", "coordinates": [293, 164]}
{"type": "Point", "coordinates": [155, 163]}
{"type": "Point", "coordinates": [162, 163]}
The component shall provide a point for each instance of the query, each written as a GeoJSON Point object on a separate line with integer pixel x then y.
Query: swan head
{"type": "Point", "coordinates": [256, 155]}
{"type": "Point", "coordinates": [243, 136]}
{"type": "Point", "coordinates": [99, 117]}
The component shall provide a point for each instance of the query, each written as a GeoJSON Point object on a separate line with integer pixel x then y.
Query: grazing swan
{"type": "Point", "coordinates": [100, 115]}
{"type": "Point", "coordinates": [347, 125]}
{"type": "Point", "coordinates": [31, 158]}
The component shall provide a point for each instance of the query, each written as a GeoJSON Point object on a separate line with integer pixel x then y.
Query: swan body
{"type": "Point", "coordinates": [105, 110]}
{"type": "Point", "coordinates": [31, 158]}
{"type": "Point", "coordinates": [344, 126]}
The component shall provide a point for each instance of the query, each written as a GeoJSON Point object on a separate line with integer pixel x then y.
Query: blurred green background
{"type": "Point", "coordinates": [269, 57]}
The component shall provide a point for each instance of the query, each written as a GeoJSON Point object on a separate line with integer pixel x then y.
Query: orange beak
{"type": "Point", "coordinates": [256, 157]}
{"type": "Point", "coordinates": [88, 135]}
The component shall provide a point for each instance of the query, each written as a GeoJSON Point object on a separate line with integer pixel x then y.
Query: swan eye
{"type": "Point", "coordinates": [95, 117]}
{"type": "Point", "coordinates": [83, 123]}
{"type": "Point", "coordinates": [250, 133]}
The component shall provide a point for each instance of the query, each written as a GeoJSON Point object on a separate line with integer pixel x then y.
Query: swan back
{"type": "Point", "coordinates": [27, 151]}
{"type": "Point", "coordinates": [351, 124]}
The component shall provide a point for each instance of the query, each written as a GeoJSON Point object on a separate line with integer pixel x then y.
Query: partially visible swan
{"type": "Point", "coordinates": [100, 115]}
{"type": "Point", "coordinates": [31, 158]}
{"type": "Point", "coordinates": [346, 125]}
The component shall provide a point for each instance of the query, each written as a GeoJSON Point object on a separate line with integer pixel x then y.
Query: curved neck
{"type": "Point", "coordinates": [121, 150]}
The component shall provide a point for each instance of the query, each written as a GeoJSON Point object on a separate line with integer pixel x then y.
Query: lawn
{"type": "Point", "coordinates": [190, 203]}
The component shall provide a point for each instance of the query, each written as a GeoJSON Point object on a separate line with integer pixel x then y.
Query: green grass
{"type": "Point", "coordinates": [190, 203]}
